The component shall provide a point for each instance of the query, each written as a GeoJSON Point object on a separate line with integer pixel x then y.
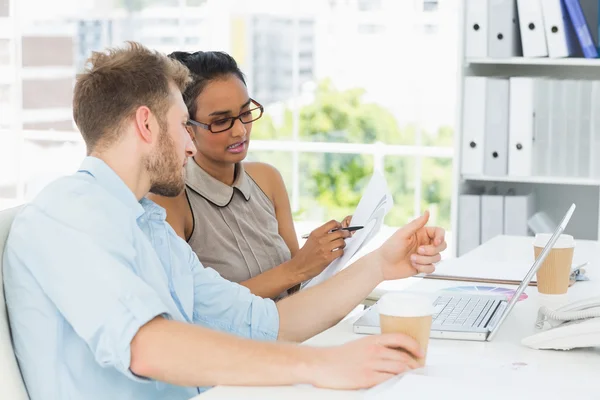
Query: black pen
{"type": "Point", "coordinates": [349, 229]}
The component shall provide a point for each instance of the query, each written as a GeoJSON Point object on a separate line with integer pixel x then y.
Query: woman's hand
{"type": "Point", "coordinates": [346, 221]}
{"type": "Point", "coordinates": [320, 249]}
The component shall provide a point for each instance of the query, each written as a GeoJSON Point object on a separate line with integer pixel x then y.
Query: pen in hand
{"type": "Point", "coordinates": [349, 229]}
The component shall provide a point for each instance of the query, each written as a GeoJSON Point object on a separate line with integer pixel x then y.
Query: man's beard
{"type": "Point", "coordinates": [165, 169]}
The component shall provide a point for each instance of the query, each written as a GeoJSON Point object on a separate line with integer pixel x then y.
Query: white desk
{"type": "Point", "coordinates": [504, 356]}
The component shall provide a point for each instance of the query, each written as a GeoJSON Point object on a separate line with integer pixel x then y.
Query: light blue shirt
{"type": "Point", "coordinates": [86, 265]}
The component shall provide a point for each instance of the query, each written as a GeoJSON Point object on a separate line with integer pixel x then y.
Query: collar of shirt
{"type": "Point", "coordinates": [214, 190]}
{"type": "Point", "coordinates": [112, 183]}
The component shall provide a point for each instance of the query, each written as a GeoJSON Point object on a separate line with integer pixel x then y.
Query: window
{"type": "Point", "coordinates": [347, 91]}
{"type": "Point", "coordinates": [5, 118]}
{"type": "Point", "coordinates": [370, 28]}
{"type": "Point", "coordinates": [4, 52]}
{"type": "Point", "coordinates": [369, 5]}
{"type": "Point", "coordinates": [430, 5]}
{"type": "Point", "coordinates": [4, 8]}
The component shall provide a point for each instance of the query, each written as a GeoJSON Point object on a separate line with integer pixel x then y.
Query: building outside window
{"type": "Point", "coordinates": [349, 87]}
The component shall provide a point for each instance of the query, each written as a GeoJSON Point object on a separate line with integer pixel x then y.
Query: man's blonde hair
{"type": "Point", "coordinates": [116, 83]}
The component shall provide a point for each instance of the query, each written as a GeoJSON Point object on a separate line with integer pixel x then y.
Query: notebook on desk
{"type": "Point", "coordinates": [500, 272]}
{"type": "Point", "coordinates": [496, 272]}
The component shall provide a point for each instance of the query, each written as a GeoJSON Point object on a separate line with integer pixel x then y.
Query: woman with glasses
{"type": "Point", "coordinates": [237, 216]}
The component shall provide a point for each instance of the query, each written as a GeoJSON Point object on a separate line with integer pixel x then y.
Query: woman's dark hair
{"type": "Point", "coordinates": [205, 67]}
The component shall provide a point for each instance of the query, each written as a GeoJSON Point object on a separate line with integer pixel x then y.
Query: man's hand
{"type": "Point", "coordinates": [365, 362]}
{"type": "Point", "coordinates": [412, 249]}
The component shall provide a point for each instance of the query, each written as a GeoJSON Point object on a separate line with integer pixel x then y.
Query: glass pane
{"type": "Point", "coordinates": [275, 123]}
{"type": "Point", "coordinates": [440, 136]}
{"type": "Point", "coordinates": [4, 52]}
{"type": "Point", "coordinates": [436, 194]}
{"type": "Point", "coordinates": [5, 112]}
{"type": "Point", "coordinates": [331, 185]}
{"type": "Point", "coordinates": [194, 3]}
{"type": "Point", "coordinates": [53, 159]}
{"type": "Point", "coordinates": [8, 168]}
{"type": "Point", "coordinates": [400, 176]}
{"type": "Point", "coordinates": [412, 90]}
{"type": "Point", "coordinates": [4, 8]}
{"type": "Point", "coordinates": [276, 39]}
{"type": "Point", "coordinates": [346, 116]}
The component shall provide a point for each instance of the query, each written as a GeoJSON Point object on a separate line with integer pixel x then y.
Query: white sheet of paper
{"type": "Point", "coordinates": [372, 208]}
{"type": "Point", "coordinates": [469, 386]}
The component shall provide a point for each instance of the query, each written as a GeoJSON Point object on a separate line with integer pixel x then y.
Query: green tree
{"type": "Point", "coordinates": [331, 184]}
{"type": "Point", "coordinates": [132, 6]}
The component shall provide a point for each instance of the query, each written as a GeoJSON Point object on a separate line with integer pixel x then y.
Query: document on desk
{"type": "Point", "coordinates": [415, 386]}
{"type": "Point", "coordinates": [372, 208]}
{"type": "Point", "coordinates": [499, 272]}
{"type": "Point", "coordinates": [422, 387]}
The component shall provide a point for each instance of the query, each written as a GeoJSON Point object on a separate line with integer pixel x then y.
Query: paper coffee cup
{"type": "Point", "coordinates": [553, 275]}
{"type": "Point", "coordinates": [410, 314]}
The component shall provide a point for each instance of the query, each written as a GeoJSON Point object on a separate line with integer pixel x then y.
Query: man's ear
{"type": "Point", "coordinates": [146, 124]}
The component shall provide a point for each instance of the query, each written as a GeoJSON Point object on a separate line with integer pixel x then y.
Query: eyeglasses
{"type": "Point", "coordinates": [226, 124]}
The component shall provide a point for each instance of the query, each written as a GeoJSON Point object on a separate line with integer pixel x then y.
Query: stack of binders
{"type": "Point", "coordinates": [524, 126]}
{"type": "Point", "coordinates": [531, 28]}
{"type": "Point", "coordinates": [483, 216]}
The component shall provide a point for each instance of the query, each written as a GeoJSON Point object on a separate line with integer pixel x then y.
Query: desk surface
{"type": "Point", "coordinates": [505, 356]}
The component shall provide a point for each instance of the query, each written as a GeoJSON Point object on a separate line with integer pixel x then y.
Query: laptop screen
{"type": "Point", "coordinates": [536, 265]}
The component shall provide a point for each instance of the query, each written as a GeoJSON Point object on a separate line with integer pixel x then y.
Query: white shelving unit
{"type": "Point", "coordinates": [553, 194]}
{"type": "Point", "coordinates": [556, 62]}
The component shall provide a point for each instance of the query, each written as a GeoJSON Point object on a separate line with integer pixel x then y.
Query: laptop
{"type": "Point", "coordinates": [469, 317]}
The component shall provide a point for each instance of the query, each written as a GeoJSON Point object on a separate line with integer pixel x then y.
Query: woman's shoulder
{"type": "Point", "coordinates": [266, 176]}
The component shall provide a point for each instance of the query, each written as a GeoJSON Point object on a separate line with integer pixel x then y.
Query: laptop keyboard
{"type": "Point", "coordinates": [461, 311]}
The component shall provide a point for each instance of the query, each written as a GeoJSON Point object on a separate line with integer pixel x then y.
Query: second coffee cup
{"type": "Point", "coordinates": [553, 275]}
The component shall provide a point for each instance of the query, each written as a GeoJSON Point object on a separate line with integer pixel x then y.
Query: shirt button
{"type": "Point", "coordinates": [159, 241]}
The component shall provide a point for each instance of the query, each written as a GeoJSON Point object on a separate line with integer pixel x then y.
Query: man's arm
{"type": "Point", "coordinates": [410, 250]}
{"type": "Point", "coordinates": [313, 310]}
{"type": "Point", "coordinates": [187, 355]}
{"type": "Point", "coordinates": [191, 355]}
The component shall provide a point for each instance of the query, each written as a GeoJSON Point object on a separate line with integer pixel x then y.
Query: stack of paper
{"type": "Point", "coordinates": [372, 208]}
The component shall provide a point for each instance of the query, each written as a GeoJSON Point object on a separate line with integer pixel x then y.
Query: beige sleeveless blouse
{"type": "Point", "coordinates": [235, 229]}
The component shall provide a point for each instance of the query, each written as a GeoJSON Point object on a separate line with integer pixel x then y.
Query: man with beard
{"type": "Point", "coordinates": [107, 302]}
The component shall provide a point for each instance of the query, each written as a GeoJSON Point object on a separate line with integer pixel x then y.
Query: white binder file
{"type": "Point", "coordinates": [503, 34]}
{"type": "Point", "coordinates": [531, 24]}
{"type": "Point", "coordinates": [570, 163]}
{"type": "Point", "coordinates": [476, 20]}
{"type": "Point", "coordinates": [495, 159]}
{"type": "Point", "coordinates": [558, 128]}
{"type": "Point", "coordinates": [492, 216]}
{"type": "Point", "coordinates": [559, 38]}
{"type": "Point", "coordinates": [469, 217]}
{"type": "Point", "coordinates": [517, 211]}
{"type": "Point", "coordinates": [521, 126]}
{"type": "Point", "coordinates": [595, 129]}
{"type": "Point", "coordinates": [541, 134]}
{"type": "Point", "coordinates": [584, 143]}
{"type": "Point", "coordinates": [473, 126]}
